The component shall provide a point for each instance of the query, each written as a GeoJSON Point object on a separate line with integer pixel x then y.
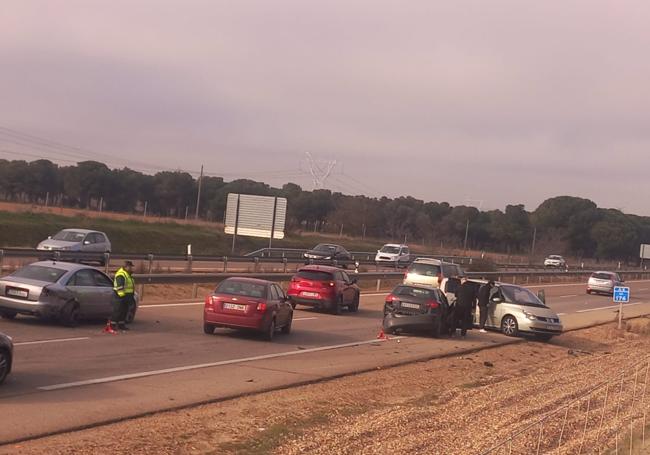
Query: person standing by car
{"type": "Point", "coordinates": [483, 302]}
{"type": "Point", "coordinates": [465, 302]}
{"type": "Point", "coordinates": [124, 287]}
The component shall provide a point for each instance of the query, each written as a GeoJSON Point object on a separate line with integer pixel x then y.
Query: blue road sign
{"type": "Point", "coordinates": [621, 294]}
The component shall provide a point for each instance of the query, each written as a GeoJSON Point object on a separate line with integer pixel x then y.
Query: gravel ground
{"type": "Point", "coordinates": [456, 405]}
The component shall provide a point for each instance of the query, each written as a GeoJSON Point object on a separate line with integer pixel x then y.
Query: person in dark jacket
{"type": "Point", "coordinates": [465, 302]}
{"type": "Point", "coordinates": [483, 302]}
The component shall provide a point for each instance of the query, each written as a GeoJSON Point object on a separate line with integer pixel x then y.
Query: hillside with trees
{"type": "Point", "coordinates": [563, 224]}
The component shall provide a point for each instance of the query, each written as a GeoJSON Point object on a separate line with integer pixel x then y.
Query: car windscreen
{"type": "Point", "coordinates": [521, 296]}
{"type": "Point", "coordinates": [389, 249]}
{"type": "Point", "coordinates": [602, 276]}
{"type": "Point", "coordinates": [39, 273]}
{"type": "Point", "coordinates": [315, 275]}
{"type": "Point", "coordinates": [555, 257]}
{"type": "Point", "coordinates": [424, 269]}
{"type": "Point", "coordinates": [409, 291]}
{"type": "Point", "coordinates": [324, 247]}
{"type": "Point", "coordinates": [69, 236]}
{"type": "Point", "coordinates": [243, 288]}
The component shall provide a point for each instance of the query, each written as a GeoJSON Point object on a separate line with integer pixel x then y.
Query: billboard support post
{"type": "Point", "coordinates": [234, 235]}
{"type": "Point", "coordinates": [275, 209]}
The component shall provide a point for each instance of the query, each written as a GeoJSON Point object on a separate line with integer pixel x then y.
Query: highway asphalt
{"type": "Point", "coordinates": [66, 378]}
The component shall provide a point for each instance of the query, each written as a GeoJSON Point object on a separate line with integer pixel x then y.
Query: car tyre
{"type": "Point", "coordinates": [286, 329]}
{"type": "Point", "coordinates": [69, 315]}
{"type": "Point", "coordinates": [354, 307]}
{"type": "Point", "coordinates": [5, 361]}
{"type": "Point", "coordinates": [270, 331]}
{"type": "Point", "coordinates": [509, 326]}
{"type": "Point", "coordinates": [8, 314]}
{"type": "Point", "coordinates": [208, 329]}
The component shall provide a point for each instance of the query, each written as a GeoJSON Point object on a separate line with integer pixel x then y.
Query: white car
{"type": "Point", "coordinates": [393, 254]}
{"type": "Point", "coordinates": [554, 261]}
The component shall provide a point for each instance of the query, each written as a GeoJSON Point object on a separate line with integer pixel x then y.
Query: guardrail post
{"type": "Point", "coordinates": [195, 290]}
{"type": "Point", "coordinates": [335, 263]}
{"type": "Point", "coordinates": [225, 264]}
{"type": "Point", "coordinates": [378, 284]}
{"type": "Point", "coordinates": [257, 262]}
{"type": "Point", "coordinates": [57, 256]}
{"type": "Point", "coordinates": [189, 263]}
{"type": "Point", "coordinates": [107, 261]}
{"type": "Point", "coordinates": [284, 265]}
{"type": "Point", "coordinates": [150, 259]}
{"type": "Point", "coordinates": [2, 259]}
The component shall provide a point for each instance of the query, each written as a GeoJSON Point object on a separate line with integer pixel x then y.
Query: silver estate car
{"type": "Point", "coordinates": [603, 282]}
{"type": "Point", "coordinates": [77, 240]}
{"type": "Point", "coordinates": [515, 310]}
{"type": "Point", "coordinates": [64, 291]}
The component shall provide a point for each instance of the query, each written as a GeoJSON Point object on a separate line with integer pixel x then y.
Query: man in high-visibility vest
{"type": "Point", "coordinates": [124, 287]}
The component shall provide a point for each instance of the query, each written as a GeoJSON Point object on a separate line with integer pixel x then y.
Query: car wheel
{"type": "Point", "coordinates": [355, 305]}
{"type": "Point", "coordinates": [69, 315]}
{"type": "Point", "coordinates": [588, 291]}
{"type": "Point", "coordinates": [130, 313]}
{"type": "Point", "coordinates": [208, 329]}
{"type": "Point", "coordinates": [8, 314]}
{"type": "Point", "coordinates": [4, 364]}
{"type": "Point", "coordinates": [437, 328]}
{"type": "Point", "coordinates": [336, 306]}
{"type": "Point", "coordinates": [509, 326]}
{"type": "Point", "coordinates": [286, 329]}
{"type": "Point", "coordinates": [270, 331]}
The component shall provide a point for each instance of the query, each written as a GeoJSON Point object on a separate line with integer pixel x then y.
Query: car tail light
{"type": "Point", "coordinates": [261, 307]}
{"type": "Point", "coordinates": [433, 304]}
{"type": "Point", "coordinates": [391, 298]}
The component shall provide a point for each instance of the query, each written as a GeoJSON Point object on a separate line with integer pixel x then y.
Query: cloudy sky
{"type": "Point", "coordinates": [479, 102]}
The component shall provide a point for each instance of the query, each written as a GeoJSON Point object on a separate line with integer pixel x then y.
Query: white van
{"type": "Point", "coordinates": [393, 254]}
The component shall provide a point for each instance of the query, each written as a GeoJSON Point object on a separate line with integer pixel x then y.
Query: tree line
{"type": "Point", "coordinates": [561, 225]}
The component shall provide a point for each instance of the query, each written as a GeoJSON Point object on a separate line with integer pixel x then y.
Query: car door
{"type": "Point", "coordinates": [495, 310]}
{"type": "Point", "coordinates": [82, 286]}
{"type": "Point", "coordinates": [284, 307]}
{"type": "Point", "coordinates": [405, 255]}
{"type": "Point", "coordinates": [105, 296]}
{"type": "Point", "coordinates": [349, 291]}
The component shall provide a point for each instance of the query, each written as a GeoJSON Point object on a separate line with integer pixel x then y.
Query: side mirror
{"type": "Point", "coordinates": [49, 237]}
{"type": "Point", "coordinates": [496, 299]}
{"type": "Point", "coordinates": [86, 242]}
{"type": "Point", "coordinates": [541, 295]}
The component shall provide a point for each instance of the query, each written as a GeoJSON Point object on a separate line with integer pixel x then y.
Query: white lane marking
{"type": "Point", "coordinates": [56, 340]}
{"type": "Point", "coordinates": [303, 319]}
{"type": "Point", "coordinates": [375, 294]}
{"type": "Point", "coordinates": [613, 307]}
{"type": "Point", "coordinates": [206, 365]}
{"type": "Point", "coordinates": [561, 314]}
{"type": "Point", "coordinates": [643, 289]}
{"type": "Point", "coordinates": [565, 296]}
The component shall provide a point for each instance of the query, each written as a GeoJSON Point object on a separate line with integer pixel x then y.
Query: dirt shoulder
{"type": "Point", "coordinates": [453, 405]}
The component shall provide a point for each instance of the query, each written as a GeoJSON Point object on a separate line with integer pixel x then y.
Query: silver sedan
{"type": "Point", "coordinates": [59, 290]}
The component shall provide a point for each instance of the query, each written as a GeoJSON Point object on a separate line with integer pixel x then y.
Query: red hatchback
{"type": "Point", "coordinates": [248, 303]}
{"type": "Point", "coordinates": [324, 287]}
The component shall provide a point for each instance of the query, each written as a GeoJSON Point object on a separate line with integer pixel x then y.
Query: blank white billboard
{"type": "Point", "coordinates": [255, 217]}
{"type": "Point", "coordinates": [645, 251]}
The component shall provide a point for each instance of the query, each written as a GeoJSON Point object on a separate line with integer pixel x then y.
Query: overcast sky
{"type": "Point", "coordinates": [486, 102]}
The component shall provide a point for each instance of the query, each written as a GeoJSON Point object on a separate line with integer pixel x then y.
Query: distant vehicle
{"type": "Point", "coordinates": [76, 240]}
{"type": "Point", "coordinates": [248, 303]}
{"type": "Point", "coordinates": [6, 356]}
{"type": "Point", "coordinates": [327, 252]}
{"type": "Point", "coordinates": [554, 261]}
{"type": "Point", "coordinates": [415, 308]}
{"type": "Point", "coordinates": [393, 254]}
{"type": "Point", "coordinates": [430, 272]}
{"type": "Point", "coordinates": [515, 310]}
{"type": "Point", "coordinates": [603, 282]}
{"type": "Point", "coordinates": [324, 287]}
{"type": "Point", "coordinates": [64, 291]}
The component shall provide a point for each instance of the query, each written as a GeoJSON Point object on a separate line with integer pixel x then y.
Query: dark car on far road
{"type": "Point", "coordinates": [248, 303]}
{"type": "Point", "coordinates": [324, 287]}
{"type": "Point", "coordinates": [6, 356]}
{"type": "Point", "coordinates": [327, 252]}
{"type": "Point", "coordinates": [415, 308]}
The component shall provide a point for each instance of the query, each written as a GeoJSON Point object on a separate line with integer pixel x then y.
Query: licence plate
{"type": "Point", "coordinates": [550, 327]}
{"type": "Point", "coordinates": [234, 306]}
{"type": "Point", "coordinates": [411, 305]}
{"type": "Point", "coordinates": [18, 293]}
{"type": "Point", "coordinates": [309, 294]}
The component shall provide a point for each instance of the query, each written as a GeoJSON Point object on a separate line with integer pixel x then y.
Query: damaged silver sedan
{"type": "Point", "coordinates": [59, 290]}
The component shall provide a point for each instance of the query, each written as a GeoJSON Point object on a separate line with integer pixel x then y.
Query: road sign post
{"type": "Point", "coordinates": [621, 296]}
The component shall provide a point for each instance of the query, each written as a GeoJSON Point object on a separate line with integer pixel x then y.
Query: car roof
{"type": "Point", "coordinates": [245, 279]}
{"type": "Point", "coordinates": [83, 231]}
{"type": "Point", "coordinates": [395, 244]}
{"type": "Point", "coordinates": [62, 265]}
{"type": "Point", "coordinates": [320, 268]}
{"type": "Point", "coordinates": [430, 261]}
{"type": "Point", "coordinates": [604, 271]}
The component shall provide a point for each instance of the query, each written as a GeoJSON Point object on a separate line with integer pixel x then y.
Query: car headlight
{"type": "Point", "coordinates": [529, 316]}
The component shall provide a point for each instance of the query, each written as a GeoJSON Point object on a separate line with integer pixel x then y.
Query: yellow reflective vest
{"type": "Point", "coordinates": [129, 284]}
